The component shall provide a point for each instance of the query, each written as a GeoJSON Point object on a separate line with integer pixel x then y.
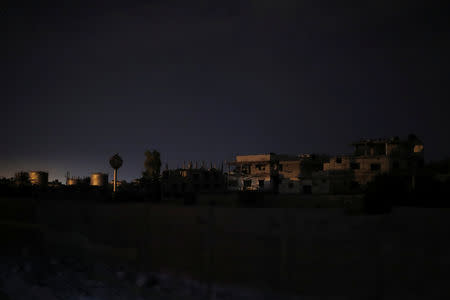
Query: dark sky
{"type": "Point", "coordinates": [206, 80]}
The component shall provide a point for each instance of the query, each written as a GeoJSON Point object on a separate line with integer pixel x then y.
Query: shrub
{"type": "Point", "coordinates": [384, 192]}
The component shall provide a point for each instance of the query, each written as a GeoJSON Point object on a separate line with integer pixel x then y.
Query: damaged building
{"type": "Point", "coordinates": [371, 157]}
{"type": "Point", "coordinates": [320, 174]}
{"type": "Point", "coordinates": [304, 173]}
{"type": "Point", "coordinates": [274, 173]}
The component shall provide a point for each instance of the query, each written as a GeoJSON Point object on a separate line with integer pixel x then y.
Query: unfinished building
{"type": "Point", "coordinates": [190, 179]}
{"type": "Point", "coordinates": [372, 157]}
{"type": "Point", "coordinates": [273, 173]}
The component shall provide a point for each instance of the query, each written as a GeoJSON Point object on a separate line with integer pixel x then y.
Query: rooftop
{"type": "Point", "coordinates": [392, 140]}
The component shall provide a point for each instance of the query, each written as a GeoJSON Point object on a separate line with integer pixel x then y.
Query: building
{"type": "Point", "coordinates": [177, 182]}
{"type": "Point", "coordinates": [253, 172]}
{"type": "Point", "coordinates": [372, 157]}
{"type": "Point", "coordinates": [273, 173]}
{"type": "Point", "coordinates": [295, 173]}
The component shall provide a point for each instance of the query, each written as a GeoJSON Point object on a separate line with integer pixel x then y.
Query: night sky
{"type": "Point", "coordinates": [206, 80]}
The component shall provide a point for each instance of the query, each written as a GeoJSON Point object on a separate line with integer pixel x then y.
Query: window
{"type": "Point", "coordinates": [245, 169]}
{"type": "Point", "coordinates": [354, 166]}
{"type": "Point", "coordinates": [247, 183]}
{"type": "Point", "coordinates": [338, 160]}
{"type": "Point", "coordinates": [375, 167]}
{"type": "Point", "coordinates": [260, 167]}
{"type": "Point", "coordinates": [261, 183]}
{"type": "Point", "coordinates": [280, 167]}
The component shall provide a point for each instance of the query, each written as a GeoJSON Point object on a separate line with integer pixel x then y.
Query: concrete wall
{"type": "Point", "coordinates": [262, 169]}
{"type": "Point", "coordinates": [254, 179]}
{"type": "Point", "coordinates": [333, 165]}
{"type": "Point", "coordinates": [364, 174]}
{"type": "Point", "coordinates": [291, 186]}
{"type": "Point", "coordinates": [290, 169]}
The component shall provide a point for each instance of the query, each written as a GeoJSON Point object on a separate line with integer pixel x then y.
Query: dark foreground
{"type": "Point", "coordinates": [145, 251]}
{"type": "Point", "coordinates": [31, 277]}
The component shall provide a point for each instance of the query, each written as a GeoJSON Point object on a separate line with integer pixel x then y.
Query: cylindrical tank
{"type": "Point", "coordinates": [73, 181]}
{"type": "Point", "coordinates": [22, 178]}
{"type": "Point", "coordinates": [38, 178]}
{"type": "Point", "coordinates": [99, 179]}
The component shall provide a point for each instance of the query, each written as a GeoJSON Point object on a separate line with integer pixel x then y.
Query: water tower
{"type": "Point", "coordinates": [115, 162]}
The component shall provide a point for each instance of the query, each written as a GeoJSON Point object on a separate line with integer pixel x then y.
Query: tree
{"type": "Point", "coordinates": [151, 176]}
{"type": "Point", "coordinates": [152, 165]}
{"type": "Point", "coordinates": [384, 192]}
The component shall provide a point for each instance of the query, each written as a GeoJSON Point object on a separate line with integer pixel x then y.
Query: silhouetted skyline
{"type": "Point", "coordinates": [206, 80]}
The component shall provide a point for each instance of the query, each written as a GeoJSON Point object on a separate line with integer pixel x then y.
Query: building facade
{"type": "Point", "coordinates": [286, 174]}
{"type": "Point", "coordinates": [181, 181]}
{"type": "Point", "coordinates": [320, 174]}
{"type": "Point", "coordinates": [373, 157]}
